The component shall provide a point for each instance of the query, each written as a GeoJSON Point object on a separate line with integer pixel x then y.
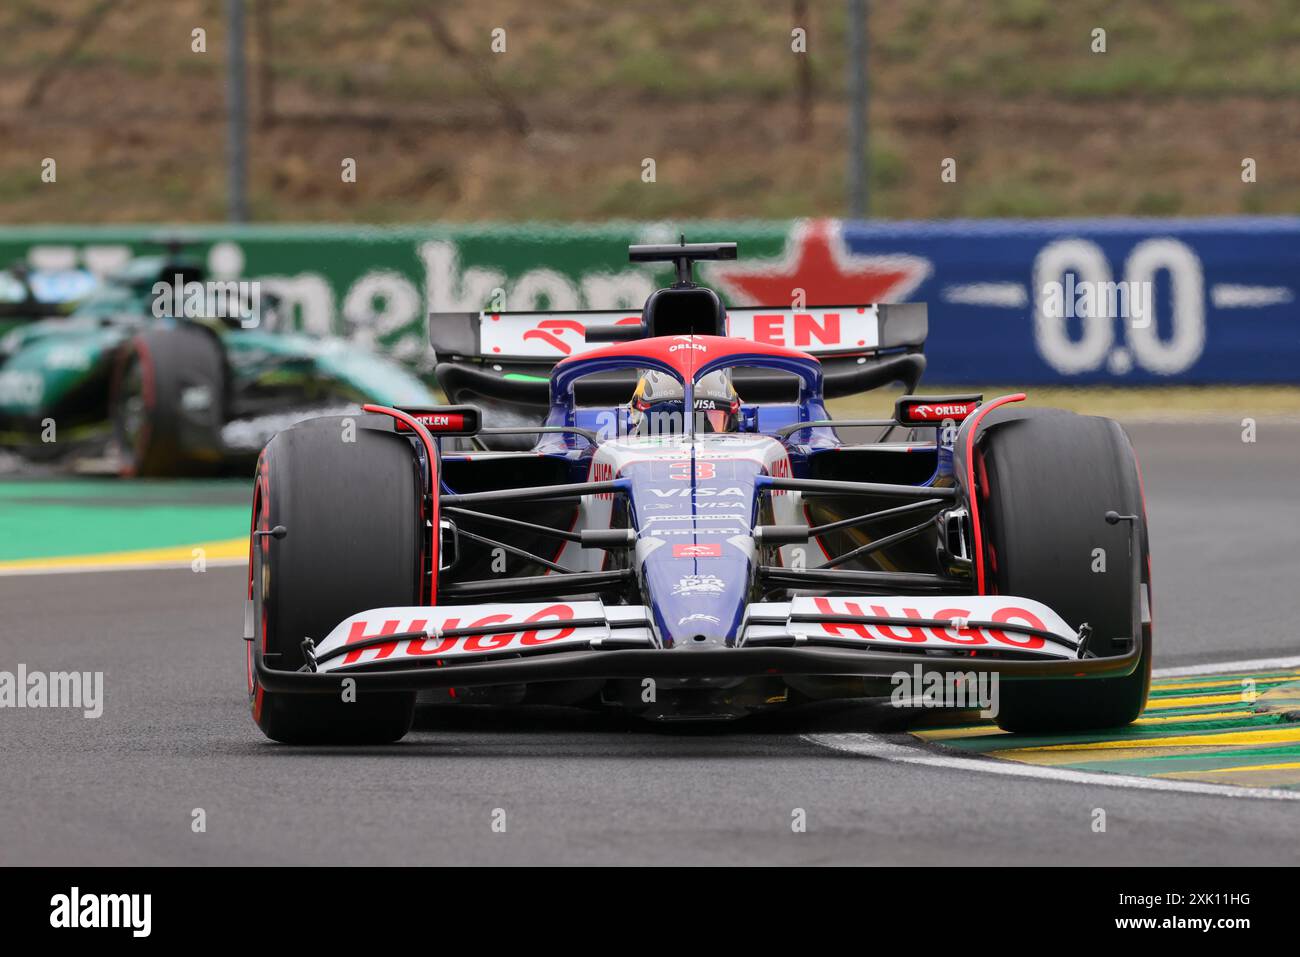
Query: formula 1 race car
{"type": "Point", "coordinates": [690, 536]}
{"type": "Point", "coordinates": [130, 383]}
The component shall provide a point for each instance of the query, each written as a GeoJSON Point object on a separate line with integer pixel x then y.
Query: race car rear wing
{"type": "Point", "coordinates": [507, 356]}
{"type": "Point", "coordinates": [544, 338]}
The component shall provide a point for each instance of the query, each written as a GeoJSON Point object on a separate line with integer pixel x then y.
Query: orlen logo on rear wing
{"type": "Point", "coordinates": [543, 335]}
{"type": "Point", "coordinates": [815, 330]}
{"type": "Point", "coordinates": [554, 335]}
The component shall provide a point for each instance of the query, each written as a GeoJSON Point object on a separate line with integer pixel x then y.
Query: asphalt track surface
{"type": "Point", "coordinates": [578, 788]}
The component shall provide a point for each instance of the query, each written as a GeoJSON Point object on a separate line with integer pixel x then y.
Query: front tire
{"type": "Point", "coordinates": [1050, 478]}
{"type": "Point", "coordinates": [351, 510]}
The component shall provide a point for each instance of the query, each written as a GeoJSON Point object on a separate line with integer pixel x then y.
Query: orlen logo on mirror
{"type": "Point", "coordinates": [937, 413]}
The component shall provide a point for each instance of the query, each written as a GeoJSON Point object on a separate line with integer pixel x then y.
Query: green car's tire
{"type": "Point", "coordinates": [167, 403]}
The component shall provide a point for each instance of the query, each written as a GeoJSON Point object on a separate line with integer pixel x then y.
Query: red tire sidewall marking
{"type": "Point", "coordinates": [139, 350]}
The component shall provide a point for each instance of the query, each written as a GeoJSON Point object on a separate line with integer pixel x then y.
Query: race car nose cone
{"type": "Point", "coordinates": [695, 548]}
{"type": "Point", "coordinates": [702, 639]}
{"type": "Point", "coordinates": [700, 601]}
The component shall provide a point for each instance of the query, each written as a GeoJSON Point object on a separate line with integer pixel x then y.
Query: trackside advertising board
{"type": "Point", "coordinates": [1132, 301]}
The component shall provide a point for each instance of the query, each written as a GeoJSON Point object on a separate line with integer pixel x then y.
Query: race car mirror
{"type": "Point", "coordinates": [444, 420]}
{"type": "Point", "coordinates": [934, 409]}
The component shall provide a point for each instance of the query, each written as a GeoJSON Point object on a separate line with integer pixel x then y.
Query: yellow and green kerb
{"type": "Point", "coordinates": [1240, 728]}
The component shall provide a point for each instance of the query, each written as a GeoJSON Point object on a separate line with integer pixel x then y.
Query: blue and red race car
{"type": "Point", "coordinates": [685, 533]}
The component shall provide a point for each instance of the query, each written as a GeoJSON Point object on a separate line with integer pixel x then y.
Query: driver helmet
{"type": "Point", "coordinates": [656, 406]}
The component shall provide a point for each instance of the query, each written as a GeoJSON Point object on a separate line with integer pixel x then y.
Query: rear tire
{"type": "Point", "coordinates": [1051, 477]}
{"type": "Point", "coordinates": [354, 527]}
{"type": "Point", "coordinates": [168, 403]}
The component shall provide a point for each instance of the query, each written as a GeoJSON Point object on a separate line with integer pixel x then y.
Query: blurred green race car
{"type": "Point", "coordinates": [156, 373]}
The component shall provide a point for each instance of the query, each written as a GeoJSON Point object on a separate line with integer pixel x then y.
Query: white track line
{"type": "Point", "coordinates": [873, 746]}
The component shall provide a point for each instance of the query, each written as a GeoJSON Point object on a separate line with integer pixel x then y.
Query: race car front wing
{"type": "Point", "coordinates": [410, 648]}
{"type": "Point", "coordinates": [422, 647]}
